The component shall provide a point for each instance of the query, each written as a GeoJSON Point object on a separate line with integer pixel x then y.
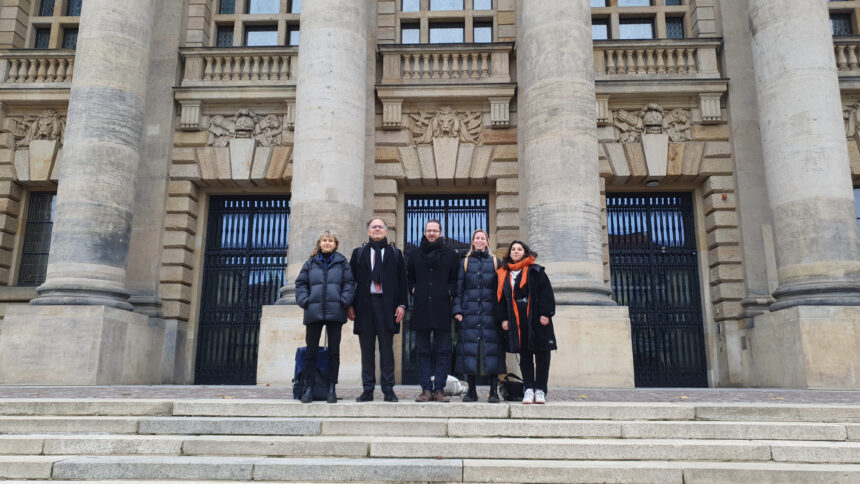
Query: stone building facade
{"type": "Point", "coordinates": [684, 168]}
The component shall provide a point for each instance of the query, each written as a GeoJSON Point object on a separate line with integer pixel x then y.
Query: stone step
{"type": "Point", "coordinates": [76, 406]}
{"type": "Point", "coordinates": [376, 409]}
{"type": "Point", "coordinates": [130, 468]}
{"type": "Point", "coordinates": [438, 447]}
{"type": "Point", "coordinates": [70, 424]}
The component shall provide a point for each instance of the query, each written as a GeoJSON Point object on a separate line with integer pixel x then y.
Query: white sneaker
{"type": "Point", "coordinates": [540, 396]}
{"type": "Point", "coordinates": [529, 396]}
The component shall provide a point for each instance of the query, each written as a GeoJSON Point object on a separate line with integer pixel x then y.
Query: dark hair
{"type": "Point", "coordinates": [528, 251]}
{"type": "Point", "coordinates": [434, 221]}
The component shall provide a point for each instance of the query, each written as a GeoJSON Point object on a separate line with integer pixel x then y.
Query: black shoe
{"type": "Point", "coordinates": [308, 394]}
{"type": "Point", "coordinates": [494, 390]}
{"type": "Point", "coordinates": [366, 396]}
{"type": "Point", "coordinates": [332, 396]}
{"type": "Point", "coordinates": [471, 394]}
{"type": "Point", "coordinates": [390, 396]}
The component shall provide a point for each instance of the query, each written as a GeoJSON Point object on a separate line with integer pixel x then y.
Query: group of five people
{"type": "Point", "coordinates": [499, 306]}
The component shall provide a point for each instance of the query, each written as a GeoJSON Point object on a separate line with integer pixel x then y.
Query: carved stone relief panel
{"type": "Point", "coordinates": [49, 125]}
{"type": "Point", "coordinates": [651, 119]}
{"type": "Point", "coordinates": [245, 124]}
{"type": "Point", "coordinates": [446, 122]}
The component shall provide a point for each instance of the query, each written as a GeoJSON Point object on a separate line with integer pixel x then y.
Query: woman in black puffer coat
{"type": "Point", "coordinates": [480, 347]}
{"type": "Point", "coordinates": [324, 289]}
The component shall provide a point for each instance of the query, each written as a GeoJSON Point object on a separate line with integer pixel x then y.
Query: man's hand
{"type": "Point", "coordinates": [505, 325]}
{"type": "Point", "coordinates": [544, 320]}
{"type": "Point", "coordinates": [399, 313]}
{"type": "Point", "coordinates": [458, 317]}
{"type": "Point", "coordinates": [350, 313]}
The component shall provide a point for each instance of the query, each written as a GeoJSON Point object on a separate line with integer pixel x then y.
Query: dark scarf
{"type": "Point", "coordinates": [378, 247]}
{"type": "Point", "coordinates": [431, 251]}
{"type": "Point", "coordinates": [326, 259]}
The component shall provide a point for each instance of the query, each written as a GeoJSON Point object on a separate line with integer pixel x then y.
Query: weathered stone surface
{"type": "Point", "coordinates": [41, 425]}
{"type": "Point", "coordinates": [532, 428]}
{"type": "Point", "coordinates": [63, 406]}
{"type": "Point", "coordinates": [268, 408]}
{"type": "Point", "coordinates": [26, 467]}
{"type": "Point", "coordinates": [112, 444]}
{"type": "Point", "coordinates": [768, 473]}
{"type": "Point", "coordinates": [821, 452]}
{"type": "Point", "coordinates": [605, 411]}
{"type": "Point", "coordinates": [384, 427]}
{"type": "Point", "coordinates": [156, 467]}
{"type": "Point", "coordinates": [571, 471]}
{"type": "Point", "coordinates": [733, 430]}
{"type": "Point", "coordinates": [276, 446]}
{"type": "Point", "coordinates": [21, 445]}
{"type": "Point", "coordinates": [226, 426]}
{"type": "Point", "coordinates": [359, 470]}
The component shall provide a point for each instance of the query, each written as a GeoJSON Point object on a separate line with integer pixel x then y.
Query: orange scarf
{"type": "Point", "coordinates": [503, 279]}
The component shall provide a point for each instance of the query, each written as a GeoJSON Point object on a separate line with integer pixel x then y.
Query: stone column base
{"type": "Point", "coordinates": [282, 333]}
{"type": "Point", "coordinates": [594, 347]}
{"type": "Point", "coordinates": [79, 345]}
{"type": "Point", "coordinates": [815, 347]}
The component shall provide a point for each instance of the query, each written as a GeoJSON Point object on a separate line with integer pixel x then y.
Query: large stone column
{"type": "Point", "coordinates": [560, 180]}
{"type": "Point", "coordinates": [805, 154]}
{"type": "Point", "coordinates": [327, 191]}
{"type": "Point", "coordinates": [80, 330]}
{"type": "Point", "coordinates": [95, 198]}
{"type": "Point", "coordinates": [559, 137]}
{"type": "Point", "coordinates": [809, 339]}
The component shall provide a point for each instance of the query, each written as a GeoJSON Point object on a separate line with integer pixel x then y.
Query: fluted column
{"type": "Point", "coordinates": [561, 181]}
{"type": "Point", "coordinates": [328, 156]}
{"type": "Point", "coordinates": [95, 198]}
{"type": "Point", "coordinates": [805, 154]}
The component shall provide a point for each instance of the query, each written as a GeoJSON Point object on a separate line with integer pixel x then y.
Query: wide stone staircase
{"type": "Point", "coordinates": [223, 440]}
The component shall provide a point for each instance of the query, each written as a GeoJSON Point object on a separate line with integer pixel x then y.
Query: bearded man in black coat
{"type": "Point", "coordinates": [431, 273]}
{"type": "Point", "coordinates": [379, 307]}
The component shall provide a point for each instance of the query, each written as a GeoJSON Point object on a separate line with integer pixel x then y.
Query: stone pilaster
{"type": "Point", "coordinates": [805, 155]}
{"type": "Point", "coordinates": [95, 198]}
{"type": "Point", "coordinates": [559, 137]}
{"type": "Point", "coordinates": [327, 190]}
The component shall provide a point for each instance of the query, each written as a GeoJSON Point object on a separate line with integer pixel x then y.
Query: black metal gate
{"type": "Point", "coordinates": [246, 254]}
{"type": "Point", "coordinates": [460, 215]}
{"type": "Point", "coordinates": [654, 270]}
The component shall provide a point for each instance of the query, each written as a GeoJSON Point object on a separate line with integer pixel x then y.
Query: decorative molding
{"type": "Point", "coordinates": [446, 122]}
{"type": "Point", "coordinates": [851, 113]}
{"type": "Point", "coordinates": [245, 124]}
{"type": "Point", "coordinates": [500, 112]}
{"type": "Point", "coordinates": [189, 119]}
{"type": "Point", "coordinates": [604, 115]}
{"type": "Point", "coordinates": [651, 119]}
{"type": "Point", "coordinates": [392, 116]}
{"type": "Point", "coordinates": [49, 125]}
{"type": "Point", "coordinates": [709, 105]}
{"type": "Point", "coordinates": [290, 118]}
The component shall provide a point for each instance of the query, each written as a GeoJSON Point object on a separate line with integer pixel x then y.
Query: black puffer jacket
{"type": "Point", "coordinates": [475, 299]}
{"type": "Point", "coordinates": [325, 293]}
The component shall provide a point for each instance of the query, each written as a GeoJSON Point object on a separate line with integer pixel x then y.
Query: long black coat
{"type": "Point", "coordinates": [541, 338]}
{"type": "Point", "coordinates": [432, 288]}
{"type": "Point", "coordinates": [323, 293]}
{"type": "Point", "coordinates": [393, 286]}
{"type": "Point", "coordinates": [475, 300]}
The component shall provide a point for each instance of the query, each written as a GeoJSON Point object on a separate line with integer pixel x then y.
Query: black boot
{"type": "Point", "coordinates": [332, 396]}
{"type": "Point", "coordinates": [308, 394]}
{"type": "Point", "coordinates": [494, 389]}
{"type": "Point", "coordinates": [472, 393]}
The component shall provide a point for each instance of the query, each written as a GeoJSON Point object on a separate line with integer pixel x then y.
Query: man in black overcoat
{"type": "Point", "coordinates": [431, 273]}
{"type": "Point", "coordinates": [379, 306]}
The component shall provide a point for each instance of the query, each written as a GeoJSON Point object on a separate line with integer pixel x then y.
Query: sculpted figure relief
{"type": "Point", "coordinates": [245, 124]}
{"type": "Point", "coordinates": [651, 119]}
{"type": "Point", "coordinates": [852, 119]}
{"type": "Point", "coordinates": [48, 125]}
{"type": "Point", "coordinates": [446, 123]}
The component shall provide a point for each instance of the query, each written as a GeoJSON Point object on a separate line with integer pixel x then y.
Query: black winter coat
{"type": "Point", "coordinates": [393, 287]}
{"type": "Point", "coordinates": [479, 334]}
{"type": "Point", "coordinates": [323, 293]}
{"type": "Point", "coordinates": [541, 338]}
{"type": "Point", "coordinates": [432, 288]}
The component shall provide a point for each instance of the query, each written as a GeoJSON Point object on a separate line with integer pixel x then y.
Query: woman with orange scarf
{"type": "Point", "coordinates": [527, 306]}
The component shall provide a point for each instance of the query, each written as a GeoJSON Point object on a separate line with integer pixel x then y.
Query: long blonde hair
{"type": "Point", "coordinates": [472, 241]}
{"type": "Point", "coordinates": [330, 234]}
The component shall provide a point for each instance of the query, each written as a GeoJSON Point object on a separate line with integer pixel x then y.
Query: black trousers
{"type": "Point", "coordinates": [313, 331]}
{"type": "Point", "coordinates": [434, 358]}
{"type": "Point", "coordinates": [367, 341]}
{"type": "Point", "coordinates": [535, 368]}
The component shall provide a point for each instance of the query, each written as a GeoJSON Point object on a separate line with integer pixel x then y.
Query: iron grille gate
{"type": "Point", "coordinates": [460, 215]}
{"type": "Point", "coordinates": [654, 270]}
{"type": "Point", "coordinates": [246, 247]}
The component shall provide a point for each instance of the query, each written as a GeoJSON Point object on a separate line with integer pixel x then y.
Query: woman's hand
{"type": "Point", "coordinates": [544, 320]}
{"type": "Point", "coordinates": [458, 317]}
{"type": "Point", "coordinates": [350, 313]}
{"type": "Point", "coordinates": [505, 325]}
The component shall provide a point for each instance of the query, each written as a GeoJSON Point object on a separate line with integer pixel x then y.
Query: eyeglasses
{"type": "Point", "coordinates": [377, 227]}
{"type": "Point", "coordinates": [432, 231]}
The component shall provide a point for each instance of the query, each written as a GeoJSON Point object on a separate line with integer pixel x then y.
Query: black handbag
{"type": "Point", "coordinates": [321, 382]}
{"type": "Point", "coordinates": [511, 388]}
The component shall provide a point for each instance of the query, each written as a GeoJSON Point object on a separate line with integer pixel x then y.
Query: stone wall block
{"type": "Point", "coordinates": [178, 257]}
{"type": "Point", "coordinates": [178, 239]}
{"type": "Point", "coordinates": [636, 162]}
{"type": "Point", "coordinates": [178, 274]}
{"type": "Point", "coordinates": [7, 141]}
{"type": "Point", "coordinates": [185, 172]}
{"type": "Point", "coordinates": [722, 237]}
{"type": "Point", "coordinates": [507, 220]}
{"type": "Point", "coordinates": [693, 153]}
{"type": "Point", "coordinates": [7, 157]}
{"type": "Point", "coordinates": [710, 132]}
{"type": "Point", "coordinates": [7, 241]}
{"type": "Point", "coordinates": [385, 203]}
{"type": "Point", "coordinates": [182, 188]}
{"type": "Point", "coordinates": [427, 162]}
{"type": "Point", "coordinates": [390, 170]}
{"type": "Point", "coordinates": [206, 160]}
{"type": "Point", "coordinates": [502, 169]}
{"type": "Point", "coordinates": [721, 220]}
{"type": "Point", "coordinates": [9, 206]}
{"type": "Point", "coordinates": [507, 186]}
{"type": "Point", "coordinates": [724, 254]}
{"type": "Point", "coordinates": [727, 310]}
{"type": "Point", "coordinates": [385, 187]}
{"type": "Point", "coordinates": [719, 201]}
{"type": "Point", "coordinates": [507, 203]}
{"type": "Point", "coordinates": [223, 166]}
{"type": "Point", "coordinates": [481, 164]}
{"type": "Point", "coordinates": [411, 167]}
{"type": "Point", "coordinates": [181, 221]}
{"type": "Point", "coordinates": [506, 136]}
{"type": "Point", "coordinates": [726, 273]}
{"type": "Point", "coordinates": [182, 205]}
{"type": "Point", "coordinates": [727, 291]}
{"type": "Point", "coordinates": [383, 6]}
{"type": "Point", "coordinates": [8, 224]}
{"type": "Point", "coordinates": [276, 173]}
{"type": "Point", "coordinates": [465, 154]}
{"type": "Point", "coordinates": [58, 162]}
{"type": "Point", "coordinates": [387, 154]}
{"type": "Point", "coordinates": [11, 190]}
{"type": "Point", "coordinates": [262, 157]}
{"type": "Point", "coordinates": [504, 237]}
{"type": "Point", "coordinates": [715, 167]}
{"type": "Point", "coordinates": [176, 310]}
{"type": "Point", "coordinates": [42, 155]}
{"type": "Point", "coordinates": [505, 153]}
{"type": "Point", "coordinates": [605, 168]}
{"type": "Point", "coordinates": [617, 157]}
{"type": "Point", "coordinates": [5, 262]}
{"type": "Point", "coordinates": [718, 184]}
{"type": "Point", "coordinates": [175, 292]}
{"type": "Point", "coordinates": [718, 149]}
{"type": "Point", "coordinates": [22, 165]}
{"type": "Point", "coordinates": [184, 155]}
{"type": "Point", "coordinates": [190, 139]}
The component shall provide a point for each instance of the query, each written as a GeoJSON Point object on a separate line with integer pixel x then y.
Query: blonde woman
{"type": "Point", "coordinates": [324, 289]}
{"type": "Point", "coordinates": [480, 346]}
